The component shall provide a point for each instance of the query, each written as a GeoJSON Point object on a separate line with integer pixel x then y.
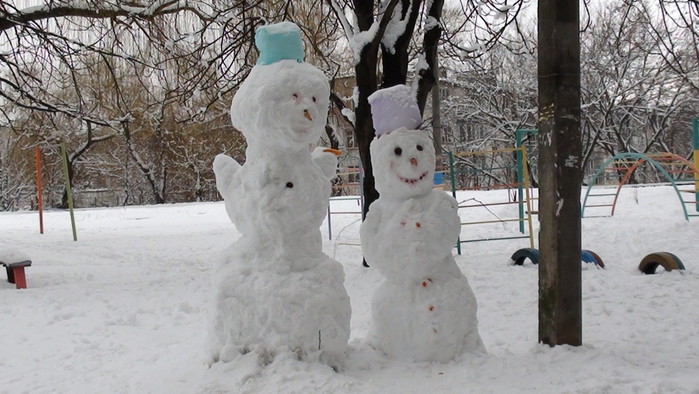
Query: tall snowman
{"type": "Point", "coordinates": [424, 310]}
{"type": "Point", "coordinates": [276, 290]}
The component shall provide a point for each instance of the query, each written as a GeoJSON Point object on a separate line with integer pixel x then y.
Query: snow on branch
{"type": "Point", "coordinates": [98, 10]}
{"type": "Point", "coordinates": [371, 36]}
{"type": "Point", "coordinates": [340, 13]}
{"type": "Point", "coordinates": [362, 39]}
{"type": "Point", "coordinates": [396, 27]}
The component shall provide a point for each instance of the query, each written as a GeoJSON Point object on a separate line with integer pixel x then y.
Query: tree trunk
{"type": "Point", "coordinates": [560, 175]}
{"type": "Point", "coordinates": [395, 60]}
{"type": "Point", "coordinates": [157, 188]}
{"type": "Point", "coordinates": [367, 82]}
{"type": "Point", "coordinates": [363, 128]}
{"type": "Point", "coordinates": [430, 45]}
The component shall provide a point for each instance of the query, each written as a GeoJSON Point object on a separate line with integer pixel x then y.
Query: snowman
{"type": "Point", "coordinates": [276, 290]}
{"type": "Point", "coordinates": [424, 310]}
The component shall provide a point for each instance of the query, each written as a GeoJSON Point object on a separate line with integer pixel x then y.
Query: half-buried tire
{"type": "Point", "coordinates": [526, 253]}
{"type": "Point", "coordinates": [589, 256]}
{"type": "Point", "coordinates": [665, 259]}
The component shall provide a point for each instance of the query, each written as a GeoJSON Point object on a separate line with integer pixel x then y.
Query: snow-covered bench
{"type": "Point", "coordinates": [14, 262]}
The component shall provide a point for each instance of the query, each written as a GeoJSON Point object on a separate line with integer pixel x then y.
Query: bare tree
{"type": "Point", "coordinates": [380, 36]}
{"type": "Point", "coordinates": [15, 168]}
{"type": "Point", "coordinates": [45, 46]}
{"type": "Point", "coordinates": [675, 26]}
{"type": "Point", "coordinates": [632, 98]}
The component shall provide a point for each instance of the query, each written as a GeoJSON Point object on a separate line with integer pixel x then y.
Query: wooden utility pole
{"type": "Point", "coordinates": [560, 175]}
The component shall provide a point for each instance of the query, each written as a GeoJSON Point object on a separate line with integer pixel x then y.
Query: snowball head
{"type": "Point", "coordinates": [403, 162]}
{"type": "Point", "coordinates": [283, 105]}
{"type": "Point", "coordinates": [393, 108]}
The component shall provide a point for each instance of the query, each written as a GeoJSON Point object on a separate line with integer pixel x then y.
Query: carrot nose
{"type": "Point", "coordinates": [413, 161]}
{"type": "Point", "coordinates": [333, 151]}
{"type": "Point", "coordinates": [307, 115]}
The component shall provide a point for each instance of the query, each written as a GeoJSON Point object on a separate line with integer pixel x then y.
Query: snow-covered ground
{"type": "Point", "coordinates": [126, 308]}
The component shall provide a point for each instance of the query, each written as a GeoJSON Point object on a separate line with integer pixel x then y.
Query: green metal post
{"type": "Point", "coordinates": [520, 178]}
{"type": "Point", "coordinates": [452, 178]}
{"type": "Point", "coordinates": [68, 189]}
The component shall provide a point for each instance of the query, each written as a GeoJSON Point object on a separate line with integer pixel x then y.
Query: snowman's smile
{"type": "Point", "coordinates": [409, 181]}
{"type": "Point", "coordinates": [412, 181]}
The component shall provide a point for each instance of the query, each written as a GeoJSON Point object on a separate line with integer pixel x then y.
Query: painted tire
{"type": "Point", "coordinates": [526, 253]}
{"type": "Point", "coordinates": [665, 259]}
{"type": "Point", "coordinates": [589, 256]}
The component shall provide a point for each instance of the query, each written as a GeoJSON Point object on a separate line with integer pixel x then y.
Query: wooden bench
{"type": "Point", "coordinates": [14, 263]}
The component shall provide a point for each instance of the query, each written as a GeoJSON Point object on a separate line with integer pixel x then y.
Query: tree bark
{"type": "Point", "coordinates": [560, 147]}
{"type": "Point", "coordinates": [367, 83]}
{"type": "Point", "coordinates": [395, 60]}
{"type": "Point", "coordinates": [430, 45]}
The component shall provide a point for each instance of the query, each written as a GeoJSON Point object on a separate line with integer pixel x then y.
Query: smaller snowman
{"type": "Point", "coordinates": [424, 310]}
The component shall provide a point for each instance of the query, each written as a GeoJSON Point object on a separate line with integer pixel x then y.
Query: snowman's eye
{"type": "Point", "coordinates": [295, 96]}
{"type": "Point", "coordinates": [419, 147]}
{"type": "Point", "coordinates": [289, 185]}
{"type": "Point", "coordinates": [398, 151]}
{"type": "Point", "coordinates": [314, 99]}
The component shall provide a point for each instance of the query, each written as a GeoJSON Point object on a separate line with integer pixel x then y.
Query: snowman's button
{"type": "Point", "coordinates": [289, 185]}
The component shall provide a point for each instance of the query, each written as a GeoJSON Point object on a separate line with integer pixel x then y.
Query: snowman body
{"type": "Point", "coordinates": [276, 290]}
{"type": "Point", "coordinates": [424, 309]}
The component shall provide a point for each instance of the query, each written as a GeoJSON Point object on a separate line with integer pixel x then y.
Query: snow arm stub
{"type": "Point", "coordinates": [225, 168]}
{"type": "Point", "coordinates": [369, 232]}
{"type": "Point", "coordinates": [326, 160]}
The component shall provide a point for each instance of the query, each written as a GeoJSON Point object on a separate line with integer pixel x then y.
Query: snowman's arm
{"type": "Point", "coordinates": [225, 168]}
{"type": "Point", "coordinates": [369, 230]}
{"type": "Point", "coordinates": [447, 208]}
{"type": "Point", "coordinates": [326, 160]}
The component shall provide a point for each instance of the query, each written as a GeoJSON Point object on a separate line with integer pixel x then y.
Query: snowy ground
{"type": "Point", "coordinates": [126, 308]}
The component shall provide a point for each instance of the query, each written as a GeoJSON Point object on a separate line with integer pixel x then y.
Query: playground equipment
{"type": "Point", "coordinates": [532, 254]}
{"type": "Point", "coordinates": [39, 194]}
{"type": "Point", "coordinates": [627, 163]}
{"type": "Point", "coordinates": [495, 165]}
{"type": "Point", "coordinates": [672, 166]}
{"type": "Point", "coordinates": [522, 164]}
{"type": "Point", "coordinates": [69, 192]}
{"type": "Point", "coordinates": [351, 176]}
{"type": "Point", "coordinates": [665, 259]}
